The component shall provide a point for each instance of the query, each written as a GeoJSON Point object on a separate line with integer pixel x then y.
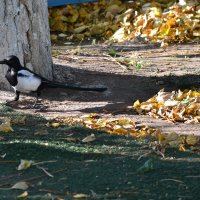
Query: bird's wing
{"type": "Point", "coordinates": [28, 72]}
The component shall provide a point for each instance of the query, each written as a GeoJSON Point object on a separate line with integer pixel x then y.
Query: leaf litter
{"type": "Point", "coordinates": [144, 20]}
{"type": "Point", "coordinates": [176, 106]}
{"type": "Point", "coordinates": [127, 127]}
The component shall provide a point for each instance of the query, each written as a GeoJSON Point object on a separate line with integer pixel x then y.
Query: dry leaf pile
{"type": "Point", "coordinates": [126, 127]}
{"type": "Point", "coordinates": [181, 106]}
{"type": "Point", "coordinates": [157, 21]}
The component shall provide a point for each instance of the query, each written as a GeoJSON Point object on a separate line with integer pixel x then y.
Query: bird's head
{"type": "Point", "coordinates": [11, 61]}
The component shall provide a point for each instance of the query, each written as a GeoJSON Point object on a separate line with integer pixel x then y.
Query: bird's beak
{"type": "Point", "coordinates": [3, 61]}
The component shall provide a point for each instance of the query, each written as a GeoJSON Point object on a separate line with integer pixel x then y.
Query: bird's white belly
{"type": "Point", "coordinates": [27, 84]}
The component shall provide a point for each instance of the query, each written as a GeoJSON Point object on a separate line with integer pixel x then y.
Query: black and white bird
{"type": "Point", "coordinates": [24, 80]}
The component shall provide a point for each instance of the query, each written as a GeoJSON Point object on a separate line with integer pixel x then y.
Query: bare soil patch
{"type": "Point", "coordinates": [175, 67]}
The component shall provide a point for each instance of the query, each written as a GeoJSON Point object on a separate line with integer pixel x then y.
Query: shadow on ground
{"type": "Point", "coordinates": [122, 91]}
{"type": "Point", "coordinates": [110, 167]}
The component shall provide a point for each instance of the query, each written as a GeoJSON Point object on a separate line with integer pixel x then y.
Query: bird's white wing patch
{"type": "Point", "coordinates": [27, 82]}
{"type": "Point", "coordinates": [25, 73]}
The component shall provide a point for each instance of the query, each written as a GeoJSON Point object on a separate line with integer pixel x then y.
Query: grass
{"type": "Point", "coordinates": [134, 61]}
{"type": "Point", "coordinates": [107, 168]}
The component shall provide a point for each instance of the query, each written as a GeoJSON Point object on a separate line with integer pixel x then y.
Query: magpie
{"type": "Point", "coordinates": [24, 80]}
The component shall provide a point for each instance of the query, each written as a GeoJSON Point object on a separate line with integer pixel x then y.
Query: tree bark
{"type": "Point", "coordinates": [24, 32]}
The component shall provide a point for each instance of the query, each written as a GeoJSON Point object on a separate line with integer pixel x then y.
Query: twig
{"type": "Point", "coordinates": [193, 176]}
{"type": "Point", "coordinates": [49, 161]}
{"type": "Point", "coordinates": [7, 161]}
{"type": "Point", "coordinates": [8, 177]}
{"type": "Point", "coordinates": [144, 155]}
{"type": "Point", "coordinates": [5, 188]}
{"type": "Point", "coordinates": [33, 178]}
{"type": "Point", "coordinates": [171, 179]}
{"type": "Point", "coordinates": [114, 60]}
{"type": "Point", "coordinates": [45, 171]}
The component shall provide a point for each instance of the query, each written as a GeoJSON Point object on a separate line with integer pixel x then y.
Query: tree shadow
{"type": "Point", "coordinates": [122, 90]}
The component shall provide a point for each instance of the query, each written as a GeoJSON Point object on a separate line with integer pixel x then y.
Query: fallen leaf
{"type": "Point", "coordinates": [19, 120]}
{"type": "Point", "coordinates": [55, 124]}
{"type": "Point", "coordinates": [25, 164]}
{"type": "Point", "coordinates": [41, 132]}
{"type": "Point", "coordinates": [181, 148]}
{"type": "Point", "coordinates": [192, 140]}
{"type": "Point", "coordinates": [80, 196]}
{"type": "Point", "coordinates": [23, 195]}
{"type": "Point", "coordinates": [20, 186]}
{"type": "Point", "coordinates": [147, 167]}
{"type": "Point", "coordinates": [89, 138]}
{"type": "Point", "coordinates": [6, 126]}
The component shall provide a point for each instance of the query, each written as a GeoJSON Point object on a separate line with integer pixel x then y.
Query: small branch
{"type": "Point", "coordinates": [33, 178]}
{"type": "Point", "coordinates": [193, 176]}
{"type": "Point", "coordinates": [171, 179]}
{"type": "Point", "coordinates": [110, 58]}
{"type": "Point", "coordinates": [144, 155]}
{"type": "Point", "coordinates": [9, 177]}
{"type": "Point", "coordinates": [8, 161]}
{"type": "Point", "coordinates": [45, 171]}
{"type": "Point", "coordinates": [49, 161]}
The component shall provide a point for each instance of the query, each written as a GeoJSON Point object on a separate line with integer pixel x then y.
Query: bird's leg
{"type": "Point", "coordinates": [16, 98]}
{"type": "Point", "coordinates": [38, 93]}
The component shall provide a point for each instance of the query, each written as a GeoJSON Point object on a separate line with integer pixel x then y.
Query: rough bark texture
{"type": "Point", "coordinates": [24, 31]}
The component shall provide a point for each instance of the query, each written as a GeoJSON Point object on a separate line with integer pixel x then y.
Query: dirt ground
{"type": "Point", "coordinates": [110, 167]}
{"type": "Point", "coordinates": [175, 67]}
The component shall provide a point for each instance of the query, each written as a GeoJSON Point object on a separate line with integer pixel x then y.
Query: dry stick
{"type": "Point", "coordinates": [114, 60]}
{"type": "Point", "coordinates": [171, 179]}
{"type": "Point", "coordinates": [33, 178]}
{"type": "Point", "coordinates": [144, 155]}
{"type": "Point", "coordinates": [45, 171]}
{"type": "Point", "coordinates": [8, 177]}
{"type": "Point", "coordinates": [7, 161]}
{"type": "Point", "coordinates": [198, 176]}
{"type": "Point", "coordinates": [49, 161]}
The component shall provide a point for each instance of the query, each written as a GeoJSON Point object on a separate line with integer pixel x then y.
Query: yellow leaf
{"type": "Point", "coordinates": [24, 164]}
{"type": "Point", "coordinates": [136, 104]}
{"type": "Point", "coordinates": [74, 17]}
{"type": "Point", "coordinates": [80, 196]}
{"type": "Point", "coordinates": [181, 147]}
{"type": "Point", "coordinates": [192, 140]}
{"type": "Point", "coordinates": [54, 37]}
{"type": "Point", "coordinates": [19, 120]}
{"type": "Point", "coordinates": [171, 22]}
{"type": "Point", "coordinates": [23, 195]}
{"type": "Point", "coordinates": [194, 148]}
{"type": "Point", "coordinates": [155, 12]}
{"type": "Point", "coordinates": [164, 29]}
{"type": "Point", "coordinates": [196, 33]}
{"type": "Point", "coordinates": [164, 44]}
{"type": "Point", "coordinates": [161, 137]}
{"type": "Point", "coordinates": [119, 35]}
{"type": "Point", "coordinates": [6, 126]}
{"type": "Point", "coordinates": [80, 29]}
{"type": "Point", "coordinates": [174, 140]}
{"type": "Point", "coordinates": [114, 9]}
{"type": "Point", "coordinates": [83, 13]}
{"type": "Point", "coordinates": [55, 124]}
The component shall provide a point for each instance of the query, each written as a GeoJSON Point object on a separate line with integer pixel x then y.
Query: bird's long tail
{"type": "Point", "coordinates": [71, 87]}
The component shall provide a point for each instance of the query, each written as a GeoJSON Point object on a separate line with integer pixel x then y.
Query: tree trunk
{"type": "Point", "coordinates": [24, 32]}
